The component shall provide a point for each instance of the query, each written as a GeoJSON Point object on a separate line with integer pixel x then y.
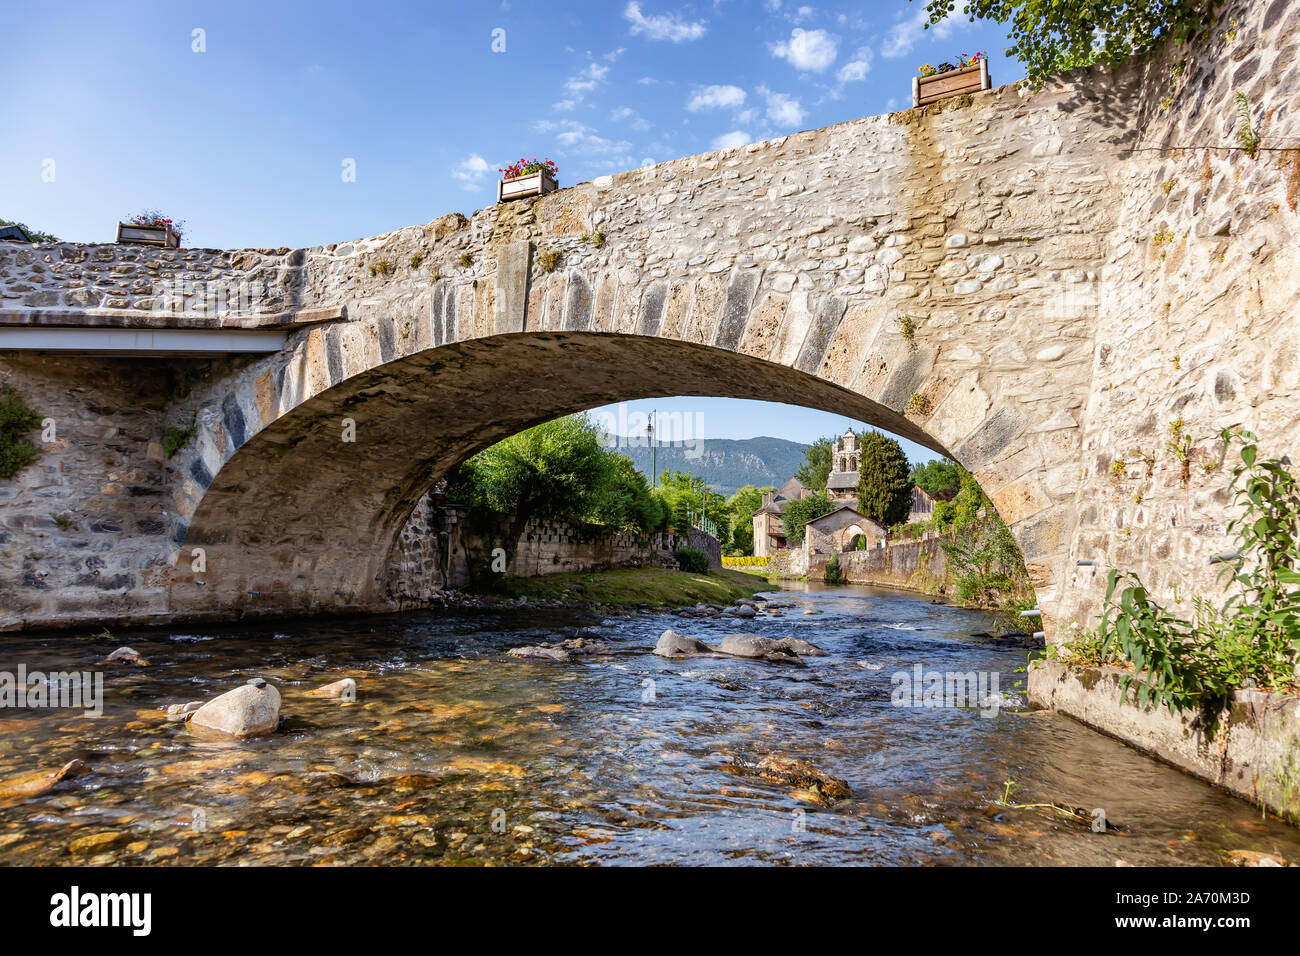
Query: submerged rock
{"type": "Point", "coordinates": [248, 711]}
{"type": "Point", "coordinates": [565, 650]}
{"type": "Point", "coordinates": [345, 689]}
{"type": "Point", "coordinates": [796, 773]}
{"type": "Point", "coordinates": [127, 655]}
{"type": "Point", "coordinates": [34, 784]}
{"type": "Point", "coordinates": [183, 711]}
{"type": "Point", "coordinates": [745, 611]}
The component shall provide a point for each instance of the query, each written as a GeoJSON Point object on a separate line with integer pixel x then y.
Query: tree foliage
{"type": "Point", "coordinates": [816, 468]}
{"type": "Point", "coordinates": [940, 478]}
{"type": "Point", "coordinates": [1049, 36]}
{"type": "Point", "coordinates": [35, 234]}
{"type": "Point", "coordinates": [884, 482]}
{"type": "Point", "coordinates": [556, 470]}
{"type": "Point", "coordinates": [799, 512]}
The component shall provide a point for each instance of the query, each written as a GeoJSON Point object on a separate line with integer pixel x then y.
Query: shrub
{"type": "Point", "coordinates": [693, 560]}
{"type": "Point", "coordinates": [16, 420]}
{"type": "Point", "coordinates": [1252, 640]}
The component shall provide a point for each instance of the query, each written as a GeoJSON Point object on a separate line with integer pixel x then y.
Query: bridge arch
{"type": "Point", "coordinates": [303, 513]}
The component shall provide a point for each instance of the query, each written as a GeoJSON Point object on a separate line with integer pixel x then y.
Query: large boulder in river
{"type": "Point", "coordinates": [248, 711]}
{"type": "Point", "coordinates": [757, 647]}
{"type": "Point", "coordinates": [672, 644]}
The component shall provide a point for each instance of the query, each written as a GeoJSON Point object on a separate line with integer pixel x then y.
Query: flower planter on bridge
{"type": "Point", "coordinates": [938, 86]}
{"type": "Point", "coordinates": [148, 235]}
{"type": "Point", "coordinates": [521, 187]}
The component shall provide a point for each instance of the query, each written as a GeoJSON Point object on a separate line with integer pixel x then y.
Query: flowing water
{"type": "Point", "coordinates": [456, 753]}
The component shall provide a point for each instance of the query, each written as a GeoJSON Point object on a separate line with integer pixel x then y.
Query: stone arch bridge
{"type": "Point", "coordinates": [1036, 284]}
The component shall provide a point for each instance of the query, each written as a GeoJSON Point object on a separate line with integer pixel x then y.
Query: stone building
{"type": "Point", "coordinates": [846, 459]}
{"type": "Point", "coordinates": [769, 535]}
{"type": "Point", "coordinates": [836, 532]}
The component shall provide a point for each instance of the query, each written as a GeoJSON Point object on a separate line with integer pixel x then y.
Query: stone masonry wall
{"type": "Point", "coordinates": [436, 546]}
{"type": "Point", "coordinates": [1200, 297]}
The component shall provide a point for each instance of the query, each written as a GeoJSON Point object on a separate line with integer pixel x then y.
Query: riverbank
{"type": "Point", "coordinates": [635, 587]}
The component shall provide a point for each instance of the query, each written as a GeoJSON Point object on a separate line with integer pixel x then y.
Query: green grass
{"type": "Point", "coordinates": [640, 586]}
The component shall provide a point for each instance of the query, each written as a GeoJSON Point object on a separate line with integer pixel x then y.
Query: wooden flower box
{"type": "Point", "coordinates": [533, 184]}
{"type": "Point", "coordinates": [148, 235]}
{"type": "Point", "coordinates": [970, 79]}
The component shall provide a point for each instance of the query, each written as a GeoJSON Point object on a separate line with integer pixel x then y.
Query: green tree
{"type": "Point", "coordinates": [684, 493]}
{"type": "Point", "coordinates": [816, 468]}
{"type": "Point", "coordinates": [939, 478]}
{"type": "Point", "coordinates": [1049, 36]}
{"type": "Point", "coordinates": [556, 470]}
{"type": "Point", "coordinates": [625, 501]}
{"type": "Point", "coordinates": [884, 488]}
{"type": "Point", "coordinates": [36, 235]}
{"type": "Point", "coordinates": [799, 512]}
{"type": "Point", "coordinates": [740, 507]}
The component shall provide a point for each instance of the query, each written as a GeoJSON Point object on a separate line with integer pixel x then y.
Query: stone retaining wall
{"type": "Point", "coordinates": [1255, 753]}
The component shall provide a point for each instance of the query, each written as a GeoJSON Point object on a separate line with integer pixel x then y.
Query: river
{"type": "Point", "coordinates": [455, 753]}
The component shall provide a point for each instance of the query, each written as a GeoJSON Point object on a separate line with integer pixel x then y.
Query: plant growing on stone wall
{"type": "Point", "coordinates": [177, 437]}
{"type": "Point", "coordinates": [1246, 134]}
{"type": "Point", "coordinates": [549, 260]}
{"type": "Point", "coordinates": [435, 277]}
{"type": "Point", "coordinates": [598, 240]}
{"type": "Point", "coordinates": [64, 521]}
{"type": "Point", "coordinates": [1168, 186]}
{"type": "Point", "coordinates": [16, 420]}
{"type": "Point", "coordinates": [918, 404]}
{"type": "Point", "coordinates": [1180, 446]}
{"type": "Point", "coordinates": [834, 573]}
{"type": "Point", "coordinates": [1252, 640]}
{"type": "Point", "coordinates": [907, 329]}
{"type": "Point", "coordinates": [1118, 472]}
{"type": "Point", "coordinates": [416, 260]}
{"type": "Point", "coordinates": [467, 259]}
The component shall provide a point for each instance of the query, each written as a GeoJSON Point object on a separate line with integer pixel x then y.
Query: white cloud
{"type": "Point", "coordinates": [582, 138]}
{"type": "Point", "coordinates": [856, 69]}
{"type": "Point", "coordinates": [729, 140]}
{"type": "Point", "coordinates": [587, 80]}
{"type": "Point", "coordinates": [663, 26]}
{"type": "Point", "coordinates": [471, 171]}
{"type": "Point", "coordinates": [904, 34]}
{"type": "Point", "coordinates": [716, 97]}
{"type": "Point", "coordinates": [564, 106]}
{"type": "Point", "coordinates": [782, 110]}
{"type": "Point", "coordinates": [810, 50]}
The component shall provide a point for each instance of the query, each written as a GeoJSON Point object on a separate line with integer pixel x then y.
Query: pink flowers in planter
{"type": "Point", "coordinates": [526, 166]}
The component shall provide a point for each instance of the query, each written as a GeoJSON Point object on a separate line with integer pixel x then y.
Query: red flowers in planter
{"type": "Point", "coordinates": [527, 166]}
{"type": "Point", "coordinates": [153, 217]}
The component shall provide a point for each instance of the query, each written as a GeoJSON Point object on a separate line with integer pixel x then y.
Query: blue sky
{"type": "Point", "coordinates": [241, 117]}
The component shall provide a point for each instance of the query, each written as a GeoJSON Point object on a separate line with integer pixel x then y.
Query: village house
{"type": "Point", "coordinates": [844, 528]}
